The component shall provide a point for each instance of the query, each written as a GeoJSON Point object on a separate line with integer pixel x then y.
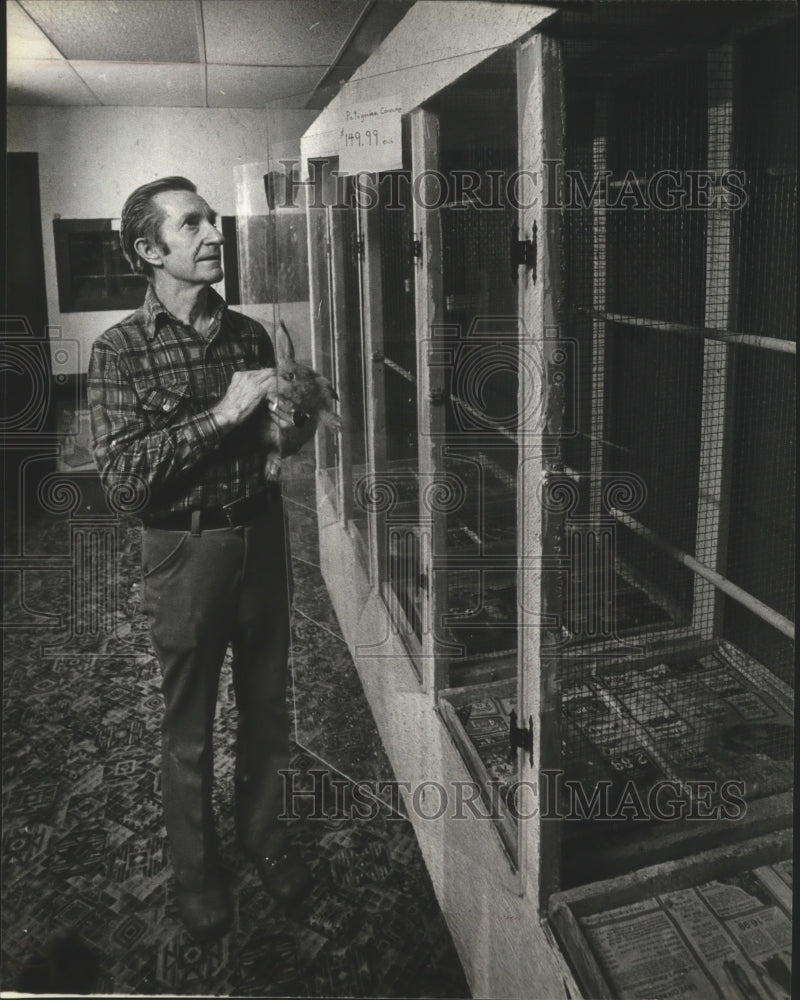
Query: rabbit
{"type": "Point", "coordinates": [304, 391]}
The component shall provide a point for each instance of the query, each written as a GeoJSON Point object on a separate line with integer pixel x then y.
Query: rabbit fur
{"type": "Point", "coordinates": [299, 388]}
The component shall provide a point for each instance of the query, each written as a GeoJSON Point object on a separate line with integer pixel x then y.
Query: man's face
{"type": "Point", "coordinates": [189, 242]}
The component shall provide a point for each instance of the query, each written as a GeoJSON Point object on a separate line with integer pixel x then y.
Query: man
{"type": "Point", "coordinates": [173, 391]}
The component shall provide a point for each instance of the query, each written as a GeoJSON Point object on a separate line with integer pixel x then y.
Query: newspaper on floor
{"type": "Point", "coordinates": [729, 938]}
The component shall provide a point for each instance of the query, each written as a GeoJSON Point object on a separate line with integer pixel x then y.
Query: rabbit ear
{"type": "Point", "coordinates": [284, 346]}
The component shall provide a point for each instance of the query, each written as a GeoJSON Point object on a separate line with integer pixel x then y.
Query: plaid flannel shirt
{"type": "Point", "coordinates": [152, 384]}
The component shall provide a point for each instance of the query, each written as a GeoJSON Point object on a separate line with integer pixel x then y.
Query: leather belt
{"type": "Point", "coordinates": [239, 513]}
{"type": "Point", "coordinates": [181, 520]}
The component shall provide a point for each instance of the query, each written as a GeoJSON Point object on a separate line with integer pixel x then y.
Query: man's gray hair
{"type": "Point", "coordinates": [141, 219]}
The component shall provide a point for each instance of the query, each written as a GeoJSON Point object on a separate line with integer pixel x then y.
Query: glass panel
{"type": "Point", "coordinates": [352, 343]}
{"type": "Point", "coordinates": [91, 269]}
{"type": "Point", "coordinates": [478, 135]}
{"type": "Point", "coordinates": [274, 271]}
{"type": "Point", "coordinates": [479, 452]}
{"type": "Point", "coordinates": [320, 268]}
{"type": "Point", "coordinates": [403, 584]}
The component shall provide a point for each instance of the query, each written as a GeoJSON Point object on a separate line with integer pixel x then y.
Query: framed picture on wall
{"type": "Point", "coordinates": [91, 269]}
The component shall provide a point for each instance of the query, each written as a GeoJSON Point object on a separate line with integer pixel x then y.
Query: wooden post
{"type": "Point", "coordinates": [540, 530]}
{"type": "Point", "coordinates": [429, 294]}
{"type": "Point", "coordinates": [716, 409]}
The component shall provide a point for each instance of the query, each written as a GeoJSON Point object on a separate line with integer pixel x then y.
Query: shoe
{"type": "Point", "coordinates": [207, 914]}
{"type": "Point", "coordinates": [285, 876]}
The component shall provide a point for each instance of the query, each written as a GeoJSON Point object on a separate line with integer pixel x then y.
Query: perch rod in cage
{"type": "Point", "coordinates": [763, 611]}
{"type": "Point", "coordinates": [706, 332]}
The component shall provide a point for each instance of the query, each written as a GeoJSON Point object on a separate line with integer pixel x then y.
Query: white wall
{"type": "Point", "coordinates": [90, 159]}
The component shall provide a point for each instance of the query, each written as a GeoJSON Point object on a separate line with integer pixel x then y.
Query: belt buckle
{"type": "Point", "coordinates": [233, 511]}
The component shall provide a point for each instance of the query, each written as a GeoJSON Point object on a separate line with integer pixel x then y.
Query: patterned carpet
{"type": "Point", "coordinates": [87, 889]}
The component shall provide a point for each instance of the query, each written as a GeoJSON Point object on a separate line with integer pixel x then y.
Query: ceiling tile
{"type": "Point", "coordinates": [24, 39]}
{"type": "Point", "coordinates": [259, 86]}
{"type": "Point", "coordinates": [45, 81]}
{"type": "Point", "coordinates": [162, 31]}
{"type": "Point", "coordinates": [277, 32]}
{"type": "Point", "coordinates": [167, 85]}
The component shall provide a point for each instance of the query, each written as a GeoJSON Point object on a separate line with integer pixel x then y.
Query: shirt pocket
{"type": "Point", "coordinates": [162, 402]}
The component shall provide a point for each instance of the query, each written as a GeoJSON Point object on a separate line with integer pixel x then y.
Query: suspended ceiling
{"type": "Point", "coordinates": [190, 53]}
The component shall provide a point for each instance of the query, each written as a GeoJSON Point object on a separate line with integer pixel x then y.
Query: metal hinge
{"type": "Point", "coordinates": [358, 247]}
{"type": "Point", "coordinates": [416, 247]}
{"type": "Point", "coordinates": [523, 252]}
{"type": "Point", "coordinates": [520, 739]}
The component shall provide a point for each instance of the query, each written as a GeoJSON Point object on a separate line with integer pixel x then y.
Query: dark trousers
{"type": "Point", "coordinates": [202, 592]}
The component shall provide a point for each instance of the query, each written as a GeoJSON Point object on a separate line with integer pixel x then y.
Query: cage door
{"type": "Point", "coordinates": [544, 494]}
{"type": "Point", "coordinates": [322, 326]}
{"type": "Point", "coordinates": [346, 283]}
{"type": "Point", "coordinates": [392, 491]}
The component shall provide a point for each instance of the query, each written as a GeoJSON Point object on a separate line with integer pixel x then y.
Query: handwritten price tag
{"type": "Point", "coordinates": [370, 137]}
{"type": "Point", "coordinates": [361, 140]}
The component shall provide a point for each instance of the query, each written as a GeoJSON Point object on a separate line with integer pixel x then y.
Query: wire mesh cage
{"type": "Point", "coordinates": [674, 585]}
{"type": "Point", "coordinates": [762, 474]}
{"type": "Point", "coordinates": [680, 201]}
{"type": "Point", "coordinates": [676, 596]}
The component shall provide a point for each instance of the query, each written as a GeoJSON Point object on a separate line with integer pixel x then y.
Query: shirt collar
{"type": "Point", "coordinates": [156, 313]}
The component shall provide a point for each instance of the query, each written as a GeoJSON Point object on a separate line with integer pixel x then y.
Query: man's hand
{"type": "Point", "coordinates": [246, 391]}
